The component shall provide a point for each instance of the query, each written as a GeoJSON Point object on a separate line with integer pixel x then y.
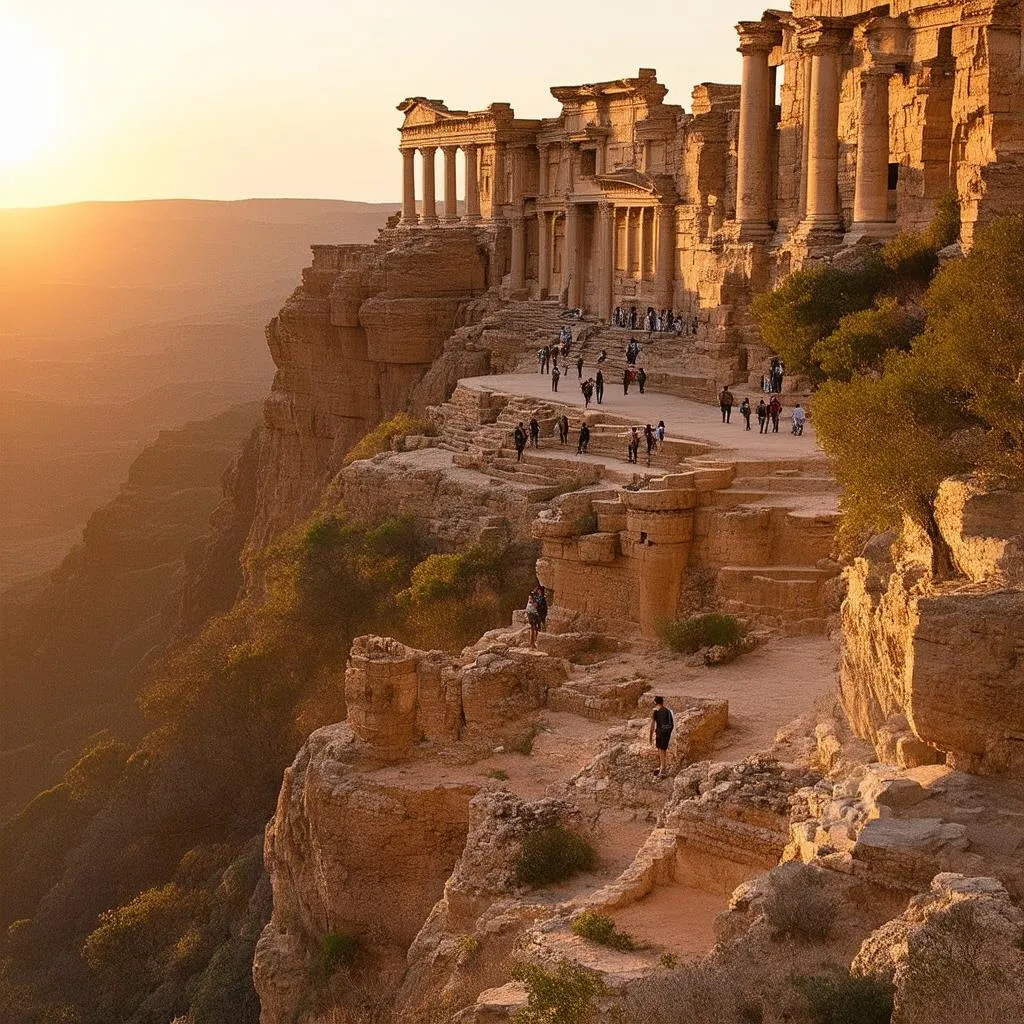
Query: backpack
{"type": "Point", "coordinates": [664, 721]}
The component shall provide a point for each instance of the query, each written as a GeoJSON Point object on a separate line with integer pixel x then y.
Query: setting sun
{"type": "Point", "coordinates": [29, 94]}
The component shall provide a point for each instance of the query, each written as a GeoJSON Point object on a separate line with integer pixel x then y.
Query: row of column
{"type": "Point", "coordinates": [820, 184]}
{"type": "Point", "coordinates": [429, 215]}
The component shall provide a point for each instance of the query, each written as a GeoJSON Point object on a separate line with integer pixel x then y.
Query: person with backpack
{"type": "Point", "coordinates": [762, 417]}
{"type": "Point", "coordinates": [587, 387]}
{"type": "Point", "coordinates": [534, 432]}
{"type": "Point", "coordinates": [799, 418]}
{"type": "Point", "coordinates": [533, 616]}
{"type": "Point", "coordinates": [725, 400]}
{"type": "Point", "coordinates": [519, 440]}
{"type": "Point", "coordinates": [634, 444]}
{"type": "Point", "coordinates": [662, 724]}
{"type": "Point", "coordinates": [745, 412]}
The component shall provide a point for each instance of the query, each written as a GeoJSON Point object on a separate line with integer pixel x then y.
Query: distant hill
{"type": "Point", "coordinates": [118, 320]}
{"type": "Point", "coordinates": [72, 638]}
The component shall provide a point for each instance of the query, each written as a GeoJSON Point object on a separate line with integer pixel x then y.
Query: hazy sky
{"type": "Point", "coordinates": [222, 99]}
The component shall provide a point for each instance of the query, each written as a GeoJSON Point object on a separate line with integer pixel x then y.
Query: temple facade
{"type": "Point", "coordinates": [851, 120]}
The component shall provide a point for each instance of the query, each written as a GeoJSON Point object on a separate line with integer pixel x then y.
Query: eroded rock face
{"type": "Point", "coordinates": [351, 345]}
{"type": "Point", "coordinates": [350, 853]}
{"type": "Point", "coordinates": [932, 671]}
{"type": "Point", "coordinates": [953, 951]}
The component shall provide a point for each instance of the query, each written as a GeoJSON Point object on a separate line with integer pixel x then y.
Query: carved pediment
{"type": "Point", "coordinates": [420, 111]}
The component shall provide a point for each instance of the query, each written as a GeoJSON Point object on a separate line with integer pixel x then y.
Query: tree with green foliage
{"type": "Point", "coordinates": [861, 339]}
{"type": "Point", "coordinates": [564, 995]}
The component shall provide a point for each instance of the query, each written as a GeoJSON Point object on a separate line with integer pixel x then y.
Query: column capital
{"type": "Point", "coordinates": [449, 150]}
{"type": "Point", "coordinates": [824, 36]}
{"type": "Point", "coordinates": [427, 151]}
{"type": "Point", "coordinates": [757, 37]}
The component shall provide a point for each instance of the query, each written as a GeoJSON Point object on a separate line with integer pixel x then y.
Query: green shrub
{"type": "Point", "coordinates": [845, 998]}
{"type": "Point", "coordinates": [337, 949]}
{"type": "Point", "coordinates": [563, 996]}
{"type": "Point", "coordinates": [711, 630]}
{"type": "Point", "coordinates": [380, 438]}
{"type": "Point", "coordinates": [586, 523]}
{"type": "Point", "coordinates": [553, 854]}
{"type": "Point", "coordinates": [601, 929]}
{"type": "Point", "coordinates": [861, 339]}
{"type": "Point", "coordinates": [911, 257]}
{"type": "Point", "coordinates": [945, 226]}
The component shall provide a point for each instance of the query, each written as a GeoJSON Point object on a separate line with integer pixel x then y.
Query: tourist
{"type": "Point", "coordinates": [641, 378]}
{"type": "Point", "coordinates": [660, 431]}
{"type": "Point", "coordinates": [625, 381]}
{"type": "Point", "coordinates": [519, 440]}
{"type": "Point", "coordinates": [774, 409]}
{"type": "Point", "coordinates": [554, 376]}
{"type": "Point", "coordinates": [599, 387]}
{"type": "Point", "coordinates": [762, 417]}
{"type": "Point", "coordinates": [584, 439]}
{"type": "Point", "coordinates": [534, 432]}
{"type": "Point", "coordinates": [603, 356]}
{"type": "Point", "coordinates": [563, 429]}
{"type": "Point", "coordinates": [632, 318]}
{"type": "Point", "coordinates": [725, 400]}
{"type": "Point", "coordinates": [633, 446]}
{"type": "Point", "coordinates": [799, 418]}
{"type": "Point", "coordinates": [587, 387]}
{"type": "Point", "coordinates": [579, 367]}
{"type": "Point", "coordinates": [542, 359]}
{"type": "Point", "coordinates": [533, 617]}
{"type": "Point", "coordinates": [662, 724]}
{"type": "Point", "coordinates": [554, 358]}
{"type": "Point", "coordinates": [651, 441]}
{"type": "Point", "coordinates": [745, 412]}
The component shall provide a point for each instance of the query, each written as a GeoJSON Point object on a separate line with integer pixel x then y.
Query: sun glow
{"type": "Point", "coordinates": [29, 94]}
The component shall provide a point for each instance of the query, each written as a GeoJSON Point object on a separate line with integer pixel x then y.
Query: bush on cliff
{"type": "Point", "coordinates": [553, 854]}
{"type": "Point", "coordinates": [565, 994]}
{"type": "Point", "coordinates": [383, 435]}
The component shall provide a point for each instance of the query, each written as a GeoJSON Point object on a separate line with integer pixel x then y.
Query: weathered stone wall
{"type": "Point", "coordinates": [933, 670]}
{"type": "Point", "coordinates": [350, 345]}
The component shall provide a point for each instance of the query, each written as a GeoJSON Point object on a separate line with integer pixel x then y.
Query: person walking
{"type": "Point", "coordinates": [533, 615]}
{"type": "Point", "coordinates": [799, 418]}
{"type": "Point", "coordinates": [774, 409]}
{"type": "Point", "coordinates": [660, 733]}
{"type": "Point", "coordinates": [641, 378]}
{"type": "Point", "coordinates": [625, 381]}
{"type": "Point", "coordinates": [563, 429]}
{"type": "Point", "coordinates": [599, 387]}
{"type": "Point", "coordinates": [519, 440]}
{"type": "Point", "coordinates": [660, 432]}
{"type": "Point", "coordinates": [587, 387]}
{"type": "Point", "coordinates": [579, 366]}
{"type": "Point", "coordinates": [634, 445]}
{"type": "Point", "coordinates": [555, 374]}
{"type": "Point", "coordinates": [603, 356]}
{"type": "Point", "coordinates": [534, 432]}
{"type": "Point", "coordinates": [725, 400]}
{"type": "Point", "coordinates": [542, 359]}
{"type": "Point", "coordinates": [762, 417]}
{"type": "Point", "coordinates": [651, 441]}
{"type": "Point", "coordinates": [745, 412]}
{"type": "Point", "coordinates": [584, 439]}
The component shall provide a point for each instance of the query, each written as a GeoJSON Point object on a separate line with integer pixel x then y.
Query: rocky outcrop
{"type": "Point", "coordinates": [351, 345]}
{"type": "Point", "coordinates": [932, 670]}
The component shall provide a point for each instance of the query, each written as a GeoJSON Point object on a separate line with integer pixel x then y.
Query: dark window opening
{"type": "Point", "coordinates": [588, 162]}
{"type": "Point", "coordinates": [894, 176]}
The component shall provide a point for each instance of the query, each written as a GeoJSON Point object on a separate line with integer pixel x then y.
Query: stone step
{"type": "Point", "coordinates": [792, 484]}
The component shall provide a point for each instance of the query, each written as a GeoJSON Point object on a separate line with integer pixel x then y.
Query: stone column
{"type": "Point", "coordinates": [640, 243]}
{"type": "Point", "coordinates": [498, 197]}
{"type": "Point", "coordinates": [571, 283]}
{"type": "Point", "coordinates": [666, 270]}
{"type": "Point", "coordinates": [823, 129]}
{"type": "Point", "coordinates": [805, 133]}
{"type": "Point", "coordinates": [451, 199]}
{"type": "Point", "coordinates": [429, 186]}
{"type": "Point", "coordinates": [871, 196]}
{"type": "Point", "coordinates": [753, 177]}
{"type": "Point", "coordinates": [544, 253]}
{"type": "Point", "coordinates": [409, 187]}
{"type": "Point", "coordinates": [606, 239]}
{"type": "Point", "coordinates": [542, 180]}
{"type": "Point", "coordinates": [472, 184]}
{"type": "Point", "coordinates": [517, 281]}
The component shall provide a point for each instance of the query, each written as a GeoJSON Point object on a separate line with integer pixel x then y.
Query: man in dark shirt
{"type": "Point", "coordinates": [662, 724]}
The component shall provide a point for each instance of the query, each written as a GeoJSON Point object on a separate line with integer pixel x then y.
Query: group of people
{"type": "Point", "coordinates": [771, 382]}
{"type": "Point", "coordinates": [592, 387]}
{"type": "Point", "coordinates": [653, 436]}
{"type": "Point", "coordinates": [665, 321]}
{"type": "Point", "coordinates": [767, 413]}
